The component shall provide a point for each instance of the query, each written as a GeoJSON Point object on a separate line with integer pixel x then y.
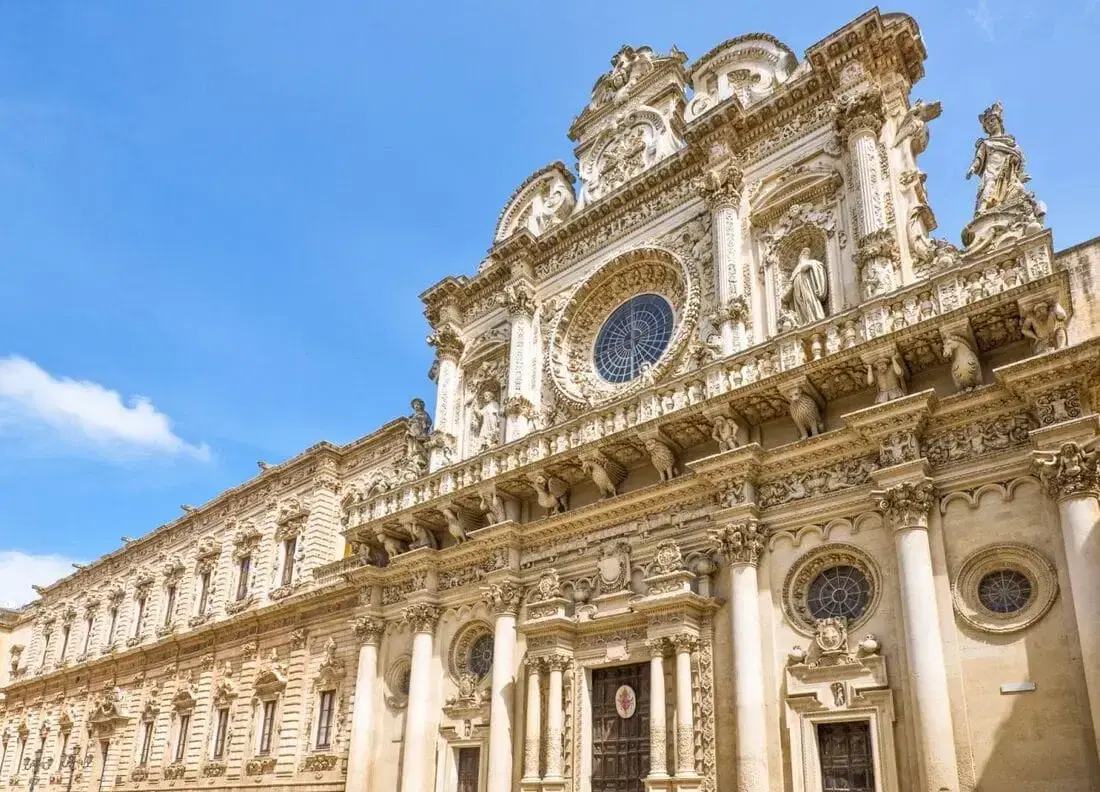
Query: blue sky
{"type": "Point", "coordinates": [215, 218]}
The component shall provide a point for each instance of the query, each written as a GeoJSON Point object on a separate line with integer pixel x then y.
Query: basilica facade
{"type": "Point", "coordinates": [738, 479]}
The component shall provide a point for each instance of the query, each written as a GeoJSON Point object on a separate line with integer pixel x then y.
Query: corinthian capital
{"type": "Point", "coordinates": [722, 186]}
{"type": "Point", "coordinates": [503, 598]}
{"type": "Point", "coordinates": [906, 505]}
{"type": "Point", "coordinates": [741, 543]}
{"type": "Point", "coordinates": [422, 617]}
{"type": "Point", "coordinates": [447, 343]}
{"type": "Point", "coordinates": [368, 630]}
{"type": "Point", "coordinates": [1072, 471]}
{"type": "Point", "coordinates": [861, 112]}
{"type": "Point", "coordinates": [517, 298]}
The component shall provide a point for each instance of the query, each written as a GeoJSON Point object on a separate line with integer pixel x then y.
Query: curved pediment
{"type": "Point", "coordinates": [545, 199]}
{"type": "Point", "coordinates": [749, 67]}
{"type": "Point", "coordinates": [798, 184]}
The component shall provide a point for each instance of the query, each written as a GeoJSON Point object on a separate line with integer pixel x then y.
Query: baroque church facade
{"type": "Point", "coordinates": [738, 479]}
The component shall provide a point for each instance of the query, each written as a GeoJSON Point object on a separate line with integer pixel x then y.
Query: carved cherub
{"type": "Point", "coordinates": [725, 432]}
{"type": "Point", "coordinates": [889, 374]}
{"type": "Point", "coordinates": [1045, 325]}
{"type": "Point", "coordinates": [805, 412]}
{"type": "Point", "coordinates": [966, 369]}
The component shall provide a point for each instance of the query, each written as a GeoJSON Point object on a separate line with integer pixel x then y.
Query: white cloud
{"type": "Point", "coordinates": [19, 571]}
{"type": "Point", "coordinates": [984, 18]}
{"type": "Point", "coordinates": [85, 413]}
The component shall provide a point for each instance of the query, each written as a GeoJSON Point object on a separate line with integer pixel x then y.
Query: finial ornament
{"type": "Point", "coordinates": [1073, 471]}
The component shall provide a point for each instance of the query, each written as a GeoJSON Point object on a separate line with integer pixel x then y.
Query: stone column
{"type": "Point", "coordinates": [906, 506]}
{"type": "Point", "coordinates": [1072, 478]}
{"type": "Point", "coordinates": [518, 298]}
{"type": "Point", "coordinates": [503, 600]}
{"type": "Point", "coordinates": [742, 545]}
{"type": "Point", "coordinates": [658, 730]}
{"type": "Point", "coordinates": [361, 749]}
{"type": "Point", "coordinates": [417, 769]}
{"type": "Point", "coordinates": [723, 192]}
{"type": "Point", "coordinates": [860, 121]}
{"type": "Point", "coordinates": [533, 735]}
{"type": "Point", "coordinates": [448, 349]}
{"type": "Point", "coordinates": [555, 716]}
{"type": "Point", "coordinates": [685, 721]}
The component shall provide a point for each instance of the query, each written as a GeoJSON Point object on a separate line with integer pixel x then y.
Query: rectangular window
{"type": "Point", "coordinates": [66, 631]}
{"type": "Point", "coordinates": [324, 718]}
{"type": "Point", "coordinates": [204, 593]}
{"type": "Point", "coordinates": [244, 568]}
{"type": "Point", "coordinates": [169, 604]}
{"type": "Point", "coordinates": [220, 732]}
{"type": "Point", "coordinates": [22, 750]}
{"type": "Point", "coordinates": [111, 624]}
{"type": "Point", "coordinates": [267, 726]}
{"type": "Point", "coordinates": [46, 648]}
{"type": "Point", "coordinates": [181, 737]}
{"type": "Point", "coordinates": [89, 623]}
{"type": "Point", "coordinates": [290, 546]}
{"type": "Point", "coordinates": [146, 742]}
{"type": "Point", "coordinates": [139, 616]}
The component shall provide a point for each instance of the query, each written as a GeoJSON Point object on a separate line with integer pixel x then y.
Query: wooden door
{"type": "Point", "coordinates": [620, 742]}
{"type": "Point", "coordinates": [469, 769]}
{"type": "Point", "coordinates": [846, 759]}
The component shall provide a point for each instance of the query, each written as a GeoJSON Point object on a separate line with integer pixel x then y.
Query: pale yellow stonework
{"type": "Point", "coordinates": [837, 389]}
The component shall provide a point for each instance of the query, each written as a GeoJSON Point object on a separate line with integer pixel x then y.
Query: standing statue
{"type": "Point", "coordinates": [999, 163]}
{"type": "Point", "coordinates": [418, 428]}
{"type": "Point", "coordinates": [806, 292]}
{"type": "Point", "coordinates": [1045, 325]}
{"type": "Point", "coordinates": [486, 421]}
{"type": "Point", "coordinates": [889, 375]}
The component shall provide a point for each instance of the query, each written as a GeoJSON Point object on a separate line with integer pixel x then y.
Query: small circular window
{"type": "Point", "coordinates": [635, 334]}
{"type": "Point", "coordinates": [1004, 591]}
{"type": "Point", "coordinates": [839, 591]}
{"type": "Point", "coordinates": [481, 656]}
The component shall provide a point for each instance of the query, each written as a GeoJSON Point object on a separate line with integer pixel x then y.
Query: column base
{"type": "Point", "coordinates": [658, 783]}
{"type": "Point", "coordinates": [691, 783]}
{"type": "Point", "coordinates": [557, 784]}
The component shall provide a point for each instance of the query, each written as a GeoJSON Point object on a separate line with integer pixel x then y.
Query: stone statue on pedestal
{"type": "Point", "coordinates": [806, 292]}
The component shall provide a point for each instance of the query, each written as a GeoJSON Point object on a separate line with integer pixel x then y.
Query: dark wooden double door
{"type": "Point", "coordinates": [847, 763]}
{"type": "Point", "coordinates": [620, 746]}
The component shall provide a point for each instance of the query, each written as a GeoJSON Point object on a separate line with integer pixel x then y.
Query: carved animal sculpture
{"type": "Point", "coordinates": [552, 493]}
{"type": "Point", "coordinates": [392, 546]}
{"type": "Point", "coordinates": [805, 413]}
{"type": "Point", "coordinates": [606, 473]}
{"type": "Point", "coordinates": [493, 505]}
{"type": "Point", "coordinates": [454, 523]}
{"type": "Point", "coordinates": [662, 458]}
{"type": "Point", "coordinates": [966, 370]}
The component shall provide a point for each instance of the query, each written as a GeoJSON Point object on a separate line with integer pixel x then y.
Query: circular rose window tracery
{"type": "Point", "coordinates": [835, 580]}
{"type": "Point", "coordinates": [1004, 588]}
{"type": "Point", "coordinates": [635, 315]}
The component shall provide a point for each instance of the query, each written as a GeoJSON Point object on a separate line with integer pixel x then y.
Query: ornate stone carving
{"type": "Point", "coordinates": [493, 506]}
{"type": "Point", "coordinates": [503, 598]}
{"type": "Point", "coordinates": [830, 647]}
{"type": "Point", "coordinates": [741, 543]}
{"type": "Point", "coordinates": [796, 586]}
{"type": "Point", "coordinates": [1013, 559]}
{"type": "Point", "coordinates": [319, 763]}
{"type": "Point", "coordinates": [175, 771]}
{"type": "Point", "coordinates": [542, 202]}
{"type": "Point", "coordinates": [1071, 471]}
{"type": "Point", "coordinates": [966, 369]}
{"type": "Point", "coordinates": [897, 447]}
{"type": "Point", "coordinates": [606, 473]}
{"type": "Point", "coordinates": [977, 438]}
{"type": "Point", "coordinates": [807, 289]}
{"type": "Point", "coordinates": [725, 431]}
{"type": "Point", "coordinates": [551, 492]}
{"type": "Point", "coordinates": [819, 481]}
{"type": "Point", "coordinates": [422, 618]}
{"type": "Point", "coordinates": [887, 373]}
{"type": "Point", "coordinates": [906, 505]}
{"type": "Point", "coordinates": [259, 766]}
{"type": "Point", "coordinates": [805, 411]}
{"type": "Point", "coordinates": [667, 559]}
{"type": "Point", "coordinates": [1062, 403]}
{"type": "Point", "coordinates": [1045, 325]}
{"type": "Point", "coordinates": [418, 430]}
{"type": "Point", "coordinates": [661, 457]}
{"type": "Point", "coordinates": [547, 588]}
{"type": "Point", "coordinates": [613, 567]}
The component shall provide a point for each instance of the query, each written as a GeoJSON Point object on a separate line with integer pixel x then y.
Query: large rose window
{"type": "Point", "coordinates": [633, 317]}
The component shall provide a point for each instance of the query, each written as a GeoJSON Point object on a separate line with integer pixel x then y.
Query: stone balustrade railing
{"type": "Point", "coordinates": [976, 282]}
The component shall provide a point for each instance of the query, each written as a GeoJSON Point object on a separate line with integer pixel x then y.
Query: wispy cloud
{"type": "Point", "coordinates": [984, 18]}
{"type": "Point", "coordinates": [19, 571]}
{"type": "Point", "coordinates": [85, 414]}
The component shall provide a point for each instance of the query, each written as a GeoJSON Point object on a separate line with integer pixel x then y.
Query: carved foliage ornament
{"type": "Point", "coordinates": [1073, 471]}
{"type": "Point", "coordinates": [741, 543]}
{"type": "Point", "coordinates": [503, 598]}
{"type": "Point", "coordinates": [422, 618]}
{"type": "Point", "coordinates": [906, 505]}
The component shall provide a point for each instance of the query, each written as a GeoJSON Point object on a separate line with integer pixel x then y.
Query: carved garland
{"type": "Point", "coordinates": [796, 586]}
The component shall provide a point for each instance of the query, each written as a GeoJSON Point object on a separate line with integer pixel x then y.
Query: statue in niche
{"type": "Point", "coordinates": [1045, 325]}
{"type": "Point", "coordinates": [485, 423]}
{"type": "Point", "coordinates": [418, 429]}
{"type": "Point", "coordinates": [889, 375]}
{"type": "Point", "coordinates": [805, 295]}
{"type": "Point", "coordinates": [999, 163]}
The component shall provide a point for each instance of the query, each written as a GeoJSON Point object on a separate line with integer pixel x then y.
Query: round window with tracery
{"type": "Point", "coordinates": [1004, 591]}
{"type": "Point", "coordinates": [481, 656]}
{"type": "Point", "coordinates": [1004, 588]}
{"type": "Point", "coordinates": [839, 591]}
{"type": "Point", "coordinates": [636, 334]}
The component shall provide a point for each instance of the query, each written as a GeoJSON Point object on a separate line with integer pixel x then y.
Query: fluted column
{"type": "Point", "coordinates": [685, 720]}
{"type": "Point", "coordinates": [448, 349]}
{"type": "Point", "coordinates": [906, 507]}
{"type": "Point", "coordinates": [361, 748]}
{"type": "Point", "coordinates": [723, 193]}
{"type": "Point", "coordinates": [533, 734]}
{"type": "Point", "coordinates": [658, 729]}
{"type": "Point", "coordinates": [416, 769]}
{"type": "Point", "coordinates": [555, 716]}
{"type": "Point", "coordinates": [1073, 481]}
{"type": "Point", "coordinates": [860, 121]}
{"type": "Point", "coordinates": [518, 298]}
{"type": "Point", "coordinates": [503, 600]}
{"type": "Point", "coordinates": [742, 545]}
